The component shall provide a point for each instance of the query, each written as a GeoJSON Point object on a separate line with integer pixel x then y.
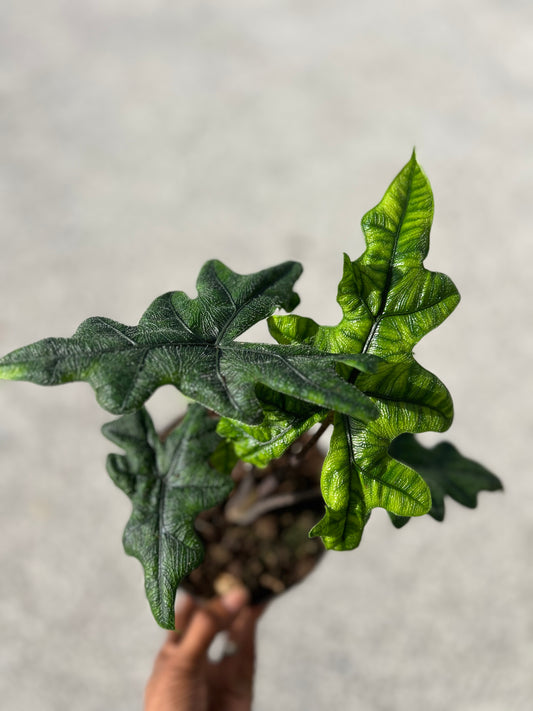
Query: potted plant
{"type": "Point", "coordinates": [241, 471]}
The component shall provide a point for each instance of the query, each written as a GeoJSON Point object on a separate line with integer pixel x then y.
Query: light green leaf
{"type": "Point", "coordinates": [388, 301]}
{"type": "Point", "coordinates": [285, 420]}
{"type": "Point", "coordinates": [169, 484]}
{"type": "Point", "coordinates": [190, 343]}
{"type": "Point", "coordinates": [347, 512]}
{"type": "Point", "coordinates": [446, 472]}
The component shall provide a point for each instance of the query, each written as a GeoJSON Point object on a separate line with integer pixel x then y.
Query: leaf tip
{"type": "Point", "coordinates": [296, 268]}
{"type": "Point", "coordinates": [12, 371]}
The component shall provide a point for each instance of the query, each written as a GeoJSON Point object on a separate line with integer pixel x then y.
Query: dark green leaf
{"type": "Point", "coordinates": [447, 473]}
{"type": "Point", "coordinates": [388, 301]}
{"type": "Point", "coordinates": [169, 484]}
{"type": "Point", "coordinates": [189, 343]}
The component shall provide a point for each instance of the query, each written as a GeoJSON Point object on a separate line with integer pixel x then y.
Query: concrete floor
{"type": "Point", "coordinates": [140, 138]}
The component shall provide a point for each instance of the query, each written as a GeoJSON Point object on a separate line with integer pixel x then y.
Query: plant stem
{"type": "Point", "coordinates": [298, 456]}
{"type": "Point", "coordinates": [245, 517]}
{"type": "Point", "coordinates": [170, 427]}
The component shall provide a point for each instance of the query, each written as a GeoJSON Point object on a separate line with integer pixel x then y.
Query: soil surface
{"type": "Point", "coordinates": [272, 552]}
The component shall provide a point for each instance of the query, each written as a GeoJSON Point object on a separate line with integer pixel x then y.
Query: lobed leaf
{"type": "Point", "coordinates": [346, 512]}
{"type": "Point", "coordinates": [446, 472]}
{"type": "Point", "coordinates": [169, 484]}
{"type": "Point", "coordinates": [190, 343]}
{"type": "Point", "coordinates": [388, 301]}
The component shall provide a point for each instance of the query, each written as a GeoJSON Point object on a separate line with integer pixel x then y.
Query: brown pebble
{"type": "Point", "coordinates": [256, 567]}
{"type": "Point", "coordinates": [226, 582]}
{"type": "Point", "coordinates": [220, 554]}
{"type": "Point", "coordinates": [266, 527]}
{"type": "Point", "coordinates": [272, 583]}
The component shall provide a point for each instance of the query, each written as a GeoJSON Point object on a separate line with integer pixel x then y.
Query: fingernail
{"type": "Point", "coordinates": [235, 600]}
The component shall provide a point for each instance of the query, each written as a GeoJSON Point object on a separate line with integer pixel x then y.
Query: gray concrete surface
{"type": "Point", "coordinates": [139, 138]}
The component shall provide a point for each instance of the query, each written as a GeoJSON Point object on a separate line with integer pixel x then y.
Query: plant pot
{"type": "Point", "coordinates": [273, 552]}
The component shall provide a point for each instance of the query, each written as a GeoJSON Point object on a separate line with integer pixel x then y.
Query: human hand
{"type": "Point", "coordinates": [185, 679]}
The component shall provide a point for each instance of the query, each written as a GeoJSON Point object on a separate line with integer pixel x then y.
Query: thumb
{"type": "Point", "coordinates": [212, 618]}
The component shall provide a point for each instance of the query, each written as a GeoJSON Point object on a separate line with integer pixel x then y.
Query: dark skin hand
{"type": "Point", "coordinates": [185, 679]}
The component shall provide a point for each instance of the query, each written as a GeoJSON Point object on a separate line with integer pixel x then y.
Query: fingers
{"type": "Point", "coordinates": [207, 621]}
{"type": "Point", "coordinates": [184, 612]}
{"type": "Point", "coordinates": [243, 629]}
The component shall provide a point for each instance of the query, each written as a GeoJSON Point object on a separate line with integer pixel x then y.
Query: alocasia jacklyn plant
{"type": "Point", "coordinates": [252, 401]}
